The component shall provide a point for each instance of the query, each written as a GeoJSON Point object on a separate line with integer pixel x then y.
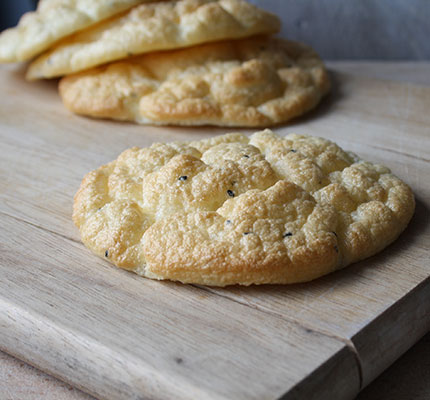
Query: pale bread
{"type": "Point", "coordinates": [258, 81]}
{"type": "Point", "coordinates": [153, 27]}
{"type": "Point", "coordinates": [238, 210]}
{"type": "Point", "coordinates": [53, 20]}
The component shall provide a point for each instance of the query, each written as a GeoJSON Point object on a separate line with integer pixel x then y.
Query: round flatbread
{"type": "Point", "coordinates": [153, 27]}
{"type": "Point", "coordinates": [258, 81]}
{"type": "Point", "coordinates": [53, 20]}
{"type": "Point", "coordinates": [239, 210]}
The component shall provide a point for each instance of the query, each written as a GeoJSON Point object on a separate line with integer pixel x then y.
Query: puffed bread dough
{"type": "Point", "coordinates": [153, 27]}
{"type": "Point", "coordinates": [238, 210]}
{"type": "Point", "coordinates": [258, 81]}
{"type": "Point", "coordinates": [53, 20]}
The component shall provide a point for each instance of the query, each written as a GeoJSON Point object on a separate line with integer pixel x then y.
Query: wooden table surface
{"type": "Point", "coordinates": [409, 376]}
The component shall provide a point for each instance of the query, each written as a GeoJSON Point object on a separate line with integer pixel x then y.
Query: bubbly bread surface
{"type": "Point", "coordinates": [53, 20]}
{"type": "Point", "coordinates": [258, 81]}
{"type": "Point", "coordinates": [153, 27]}
{"type": "Point", "coordinates": [240, 210]}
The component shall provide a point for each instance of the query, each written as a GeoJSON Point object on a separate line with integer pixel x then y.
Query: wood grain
{"type": "Point", "coordinates": [20, 381]}
{"type": "Point", "coordinates": [415, 72]}
{"type": "Point", "coordinates": [116, 335]}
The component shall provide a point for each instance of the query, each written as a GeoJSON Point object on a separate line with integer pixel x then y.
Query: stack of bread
{"type": "Point", "coordinates": [184, 62]}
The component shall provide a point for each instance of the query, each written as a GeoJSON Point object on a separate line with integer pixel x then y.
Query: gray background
{"type": "Point", "coordinates": [357, 29]}
{"type": "Point", "coordinates": [337, 29]}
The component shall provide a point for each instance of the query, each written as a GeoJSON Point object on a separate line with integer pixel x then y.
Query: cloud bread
{"type": "Point", "coordinates": [258, 81]}
{"type": "Point", "coordinates": [53, 20]}
{"type": "Point", "coordinates": [238, 210]}
{"type": "Point", "coordinates": [152, 27]}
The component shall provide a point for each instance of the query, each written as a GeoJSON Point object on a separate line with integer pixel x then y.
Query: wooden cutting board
{"type": "Point", "coordinates": [118, 336]}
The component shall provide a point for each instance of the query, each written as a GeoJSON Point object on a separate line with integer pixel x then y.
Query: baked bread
{"type": "Point", "coordinates": [53, 20]}
{"type": "Point", "coordinates": [152, 27]}
{"type": "Point", "coordinates": [238, 210]}
{"type": "Point", "coordinates": [258, 81]}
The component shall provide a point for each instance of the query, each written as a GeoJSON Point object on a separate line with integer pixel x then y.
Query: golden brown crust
{"type": "Point", "coordinates": [154, 27]}
{"type": "Point", "coordinates": [259, 81]}
{"type": "Point", "coordinates": [238, 210]}
{"type": "Point", "coordinates": [53, 20]}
